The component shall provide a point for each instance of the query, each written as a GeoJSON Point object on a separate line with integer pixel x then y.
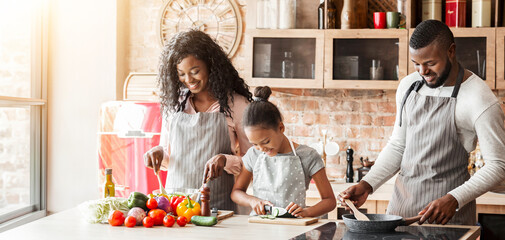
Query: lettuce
{"type": "Point", "coordinates": [97, 211]}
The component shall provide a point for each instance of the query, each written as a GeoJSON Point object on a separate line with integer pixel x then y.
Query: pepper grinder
{"type": "Point", "coordinates": [205, 198]}
{"type": "Point", "coordinates": [349, 172]}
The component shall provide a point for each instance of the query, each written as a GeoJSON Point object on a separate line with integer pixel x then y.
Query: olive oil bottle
{"type": "Point", "coordinates": [109, 188]}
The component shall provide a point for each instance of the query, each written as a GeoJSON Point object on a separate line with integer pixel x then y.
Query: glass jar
{"type": "Point", "coordinates": [288, 66]}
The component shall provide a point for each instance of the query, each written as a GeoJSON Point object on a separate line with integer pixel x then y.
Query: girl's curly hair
{"type": "Point", "coordinates": [223, 77]}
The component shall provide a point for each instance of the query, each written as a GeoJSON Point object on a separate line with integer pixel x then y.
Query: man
{"type": "Point", "coordinates": [441, 111]}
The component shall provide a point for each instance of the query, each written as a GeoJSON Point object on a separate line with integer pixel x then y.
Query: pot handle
{"type": "Point", "coordinates": [408, 221]}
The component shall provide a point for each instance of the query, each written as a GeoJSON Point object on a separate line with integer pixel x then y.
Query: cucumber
{"type": "Point", "coordinates": [204, 221]}
{"type": "Point", "coordinates": [281, 212]}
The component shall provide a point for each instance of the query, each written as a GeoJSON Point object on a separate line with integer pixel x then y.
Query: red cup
{"type": "Point", "coordinates": [379, 20]}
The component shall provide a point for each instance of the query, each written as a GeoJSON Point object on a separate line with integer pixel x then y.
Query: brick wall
{"type": "Point", "coordinates": [362, 119]}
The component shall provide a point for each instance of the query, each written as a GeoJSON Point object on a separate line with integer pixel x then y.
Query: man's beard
{"type": "Point", "coordinates": [443, 77]}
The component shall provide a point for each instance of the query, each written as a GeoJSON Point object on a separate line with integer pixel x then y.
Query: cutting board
{"type": "Point", "coordinates": [284, 221]}
{"type": "Point", "coordinates": [222, 214]}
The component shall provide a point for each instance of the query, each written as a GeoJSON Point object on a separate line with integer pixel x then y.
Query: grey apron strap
{"type": "Point", "coordinates": [414, 87]}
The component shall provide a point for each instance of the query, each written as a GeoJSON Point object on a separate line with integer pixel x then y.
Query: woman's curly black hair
{"type": "Point", "coordinates": [223, 77]}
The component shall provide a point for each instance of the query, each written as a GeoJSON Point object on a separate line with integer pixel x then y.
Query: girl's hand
{"type": "Point", "coordinates": [258, 205]}
{"type": "Point", "coordinates": [295, 210]}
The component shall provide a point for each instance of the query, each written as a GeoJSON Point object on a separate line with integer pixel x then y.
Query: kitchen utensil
{"type": "Point", "coordinates": [222, 214]}
{"type": "Point", "coordinates": [284, 221]}
{"type": "Point", "coordinates": [331, 148]}
{"type": "Point", "coordinates": [359, 215]}
{"type": "Point", "coordinates": [161, 185]}
{"type": "Point", "coordinates": [377, 223]}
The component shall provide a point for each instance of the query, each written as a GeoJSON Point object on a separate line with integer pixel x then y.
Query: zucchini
{"type": "Point", "coordinates": [204, 220]}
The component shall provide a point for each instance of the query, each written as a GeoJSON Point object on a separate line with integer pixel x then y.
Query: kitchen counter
{"type": "Point", "coordinates": [70, 224]}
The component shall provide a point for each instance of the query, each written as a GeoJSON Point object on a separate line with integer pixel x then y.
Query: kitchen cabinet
{"type": "Point", "coordinates": [349, 54]}
{"type": "Point", "coordinates": [285, 58]}
{"type": "Point", "coordinates": [500, 58]}
{"type": "Point", "coordinates": [475, 50]}
{"type": "Point", "coordinates": [354, 52]}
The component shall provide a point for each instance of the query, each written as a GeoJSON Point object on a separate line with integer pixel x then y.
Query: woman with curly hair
{"type": "Point", "coordinates": [203, 99]}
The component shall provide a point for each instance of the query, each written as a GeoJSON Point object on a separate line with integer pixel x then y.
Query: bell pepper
{"type": "Point", "coordinates": [188, 208]}
{"type": "Point", "coordinates": [137, 199]}
{"type": "Point", "coordinates": [175, 201]}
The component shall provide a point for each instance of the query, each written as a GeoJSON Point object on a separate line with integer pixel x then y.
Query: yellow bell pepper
{"type": "Point", "coordinates": [188, 208]}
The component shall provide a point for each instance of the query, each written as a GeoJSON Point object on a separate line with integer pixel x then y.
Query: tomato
{"type": "Point", "coordinates": [157, 215]}
{"type": "Point", "coordinates": [168, 221]}
{"type": "Point", "coordinates": [148, 222]}
{"type": "Point", "coordinates": [152, 203]}
{"type": "Point", "coordinates": [130, 221]}
{"type": "Point", "coordinates": [181, 221]}
{"type": "Point", "coordinates": [116, 218]}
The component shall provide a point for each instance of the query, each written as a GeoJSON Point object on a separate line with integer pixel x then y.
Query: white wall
{"type": "Point", "coordinates": [81, 76]}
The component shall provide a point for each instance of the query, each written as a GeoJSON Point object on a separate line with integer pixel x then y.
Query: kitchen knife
{"type": "Point", "coordinates": [213, 212]}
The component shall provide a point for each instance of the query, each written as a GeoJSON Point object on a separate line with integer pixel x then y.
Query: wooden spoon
{"type": "Point", "coordinates": [359, 215]}
{"type": "Point", "coordinates": [162, 189]}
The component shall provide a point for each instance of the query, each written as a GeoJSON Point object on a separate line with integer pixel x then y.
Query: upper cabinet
{"type": "Point", "coordinates": [365, 58]}
{"type": "Point", "coordinates": [285, 58]}
{"type": "Point", "coordinates": [285, 47]}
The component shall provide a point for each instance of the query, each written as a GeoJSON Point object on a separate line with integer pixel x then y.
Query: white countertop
{"type": "Point", "coordinates": [69, 224]}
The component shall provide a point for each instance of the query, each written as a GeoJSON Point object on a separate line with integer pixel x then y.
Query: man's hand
{"type": "Point", "coordinates": [214, 167]}
{"type": "Point", "coordinates": [439, 211]}
{"type": "Point", "coordinates": [357, 194]}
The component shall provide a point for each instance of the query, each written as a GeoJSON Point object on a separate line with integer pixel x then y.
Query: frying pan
{"type": "Point", "coordinates": [378, 223]}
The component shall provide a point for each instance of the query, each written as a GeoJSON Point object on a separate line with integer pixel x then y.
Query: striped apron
{"type": "Point", "coordinates": [434, 161]}
{"type": "Point", "coordinates": [194, 139]}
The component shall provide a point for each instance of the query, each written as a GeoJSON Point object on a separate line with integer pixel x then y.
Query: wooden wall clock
{"type": "Point", "coordinates": [221, 19]}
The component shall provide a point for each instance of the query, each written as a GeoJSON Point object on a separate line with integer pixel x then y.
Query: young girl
{"type": "Point", "coordinates": [281, 170]}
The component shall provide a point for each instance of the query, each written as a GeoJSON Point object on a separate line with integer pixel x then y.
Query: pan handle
{"type": "Point", "coordinates": [408, 221]}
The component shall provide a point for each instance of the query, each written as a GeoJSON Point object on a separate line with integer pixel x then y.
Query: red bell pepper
{"type": "Point", "coordinates": [174, 202]}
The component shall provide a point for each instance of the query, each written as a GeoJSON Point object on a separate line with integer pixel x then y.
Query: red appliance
{"type": "Point", "coordinates": [126, 131]}
{"type": "Point", "coordinates": [455, 11]}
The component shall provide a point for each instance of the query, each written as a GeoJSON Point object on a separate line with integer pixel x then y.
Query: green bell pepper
{"type": "Point", "coordinates": [137, 199]}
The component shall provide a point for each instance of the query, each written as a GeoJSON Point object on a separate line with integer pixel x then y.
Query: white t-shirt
{"type": "Point", "coordinates": [478, 115]}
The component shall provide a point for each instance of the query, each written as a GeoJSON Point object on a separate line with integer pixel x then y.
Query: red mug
{"type": "Point", "coordinates": [379, 20]}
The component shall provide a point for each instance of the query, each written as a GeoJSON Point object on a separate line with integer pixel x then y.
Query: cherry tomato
{"type": "Point", "coordinates": [157, 215]}
{"type": "Point", "coordinates": [181, 221]}
{"type": "Point", "coordinates": [152, 203]}
{"type": "Point", "coordinates": [148, 222]}
{"type": "Point", "coordinates": [130, 221]}
{"type": "Point", "coordinates": [116, 218]}
{"type": "Point", "coordinates": [168, 221]}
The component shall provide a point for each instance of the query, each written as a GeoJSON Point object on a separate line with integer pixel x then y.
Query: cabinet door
{"type": "Point", "coordinates": [475, 51]}
{"type": "Point", "coordinates": [365, 58]}
{"type": "Point", "coordinates": [285, 58]}
{"type": "Point", "coordinates": [500, 58]}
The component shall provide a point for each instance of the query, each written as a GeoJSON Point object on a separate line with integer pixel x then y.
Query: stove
{"type": "Point", "coordinates": [338, 230]}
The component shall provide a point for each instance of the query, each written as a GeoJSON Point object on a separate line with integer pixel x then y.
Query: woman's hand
{"type": "Point", "coordinates": [258, 205]}
{"type": "Point", "coordinates": [214, 167]}
{"type": "Point", "coordinates": [153, 158]}
{"type": "Point", "coordinates": [295, 210]}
